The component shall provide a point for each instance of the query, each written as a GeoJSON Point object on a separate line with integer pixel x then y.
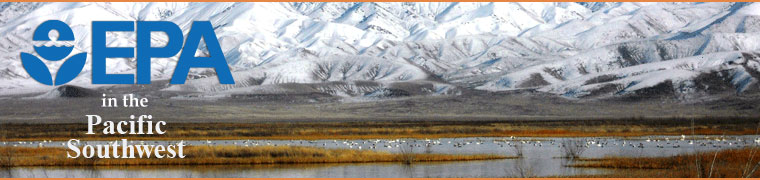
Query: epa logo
{"type": "Point", "coordinates": [36, 67]}
{"type": "Point", "coordinates": [73, 65]}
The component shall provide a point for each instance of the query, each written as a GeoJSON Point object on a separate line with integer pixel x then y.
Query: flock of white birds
{"type": "Point", "coordinates": [447, 145]}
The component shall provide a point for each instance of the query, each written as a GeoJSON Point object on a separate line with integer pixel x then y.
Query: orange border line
{"type": "Point", "coordinates": [376, 178]}
{"type": "Point", "coordinates": [380, 178]}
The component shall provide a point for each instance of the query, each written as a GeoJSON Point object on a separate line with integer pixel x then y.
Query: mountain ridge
{"type": "Point", "coordinates": [572, 50]}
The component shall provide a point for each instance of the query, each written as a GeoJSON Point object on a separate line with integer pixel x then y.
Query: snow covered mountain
{"type": "Point", "coordinates": [575, 50]}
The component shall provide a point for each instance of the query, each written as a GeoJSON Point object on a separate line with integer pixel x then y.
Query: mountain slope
{"type": "Point", "coordinates": [576, 50]}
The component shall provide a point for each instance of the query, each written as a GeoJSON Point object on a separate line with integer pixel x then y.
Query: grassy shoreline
{"type": "Point", "coordinates": [396, 129]}
{"type": "Point", "coordinates": [732, 163]}
{"type": "Point", "coordinates": [225, 155]}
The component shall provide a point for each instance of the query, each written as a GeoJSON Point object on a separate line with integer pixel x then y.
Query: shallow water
{"type": "Point", "coordinates": [540, 158]}
{"type": "Point", "coordinates": [491, 168]}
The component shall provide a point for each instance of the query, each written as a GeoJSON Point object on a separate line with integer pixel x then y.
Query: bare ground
{"type": "Point", "coordinates": [471, 106]}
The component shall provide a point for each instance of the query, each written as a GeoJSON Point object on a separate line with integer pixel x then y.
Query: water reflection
{"type": "Point", "coordinates": [491, 168]}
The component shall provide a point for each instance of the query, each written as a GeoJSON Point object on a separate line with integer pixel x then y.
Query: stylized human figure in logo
{"type": "Point", "coordinates": [68, 70]}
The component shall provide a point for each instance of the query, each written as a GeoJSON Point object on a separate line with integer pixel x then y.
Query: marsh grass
{"type": "Point", "coordinates": [406, 153]}
{"type": "Point", "coordinates": [6, 154]}
{"type": "Point", "coordinates": [732, 163]}
{"type": "Point", "coordinates": [400, 129]}
{"type": "Point", "coordinates": [225, 155]}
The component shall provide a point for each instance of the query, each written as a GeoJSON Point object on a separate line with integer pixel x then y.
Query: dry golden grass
{"type": "Point", "coordinates": [723, 164]}
{"type": "Point", "coordinates": [401, 129]}
{"type": "Point", "coordinates": [213, 155]}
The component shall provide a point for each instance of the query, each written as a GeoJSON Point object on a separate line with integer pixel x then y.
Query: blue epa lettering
{"type": "Point", "coordinates": [144, 52]}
